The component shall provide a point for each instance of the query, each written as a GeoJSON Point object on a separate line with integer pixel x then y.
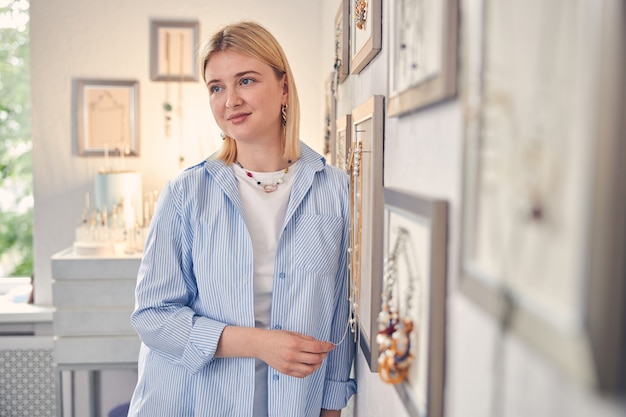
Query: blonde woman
{"type": "Point", "coordinates": [241, 301]}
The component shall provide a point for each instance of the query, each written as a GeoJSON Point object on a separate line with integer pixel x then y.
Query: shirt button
{"type": "Point", "coordinates": [275, 377]}
{"type": "Point", "coordinates": [278, 327]}
{"type": "Point", "coordinates": [281, 275]}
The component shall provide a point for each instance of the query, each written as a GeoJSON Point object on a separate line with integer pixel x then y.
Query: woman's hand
{"type": "Point", "coordinates": [290, 353]}
{"type": "Point", "coordinates": [293, 353]}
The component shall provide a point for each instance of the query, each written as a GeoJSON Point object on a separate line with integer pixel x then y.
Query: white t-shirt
{"type": "Point", "coordinates": [264, 215]}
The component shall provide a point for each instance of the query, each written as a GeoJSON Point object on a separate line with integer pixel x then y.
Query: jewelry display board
{"type": "Point", "coordinates": [343, 140]}
{"type": "Point", "coordinates": [423, 53]}
{"type": "Point", "coordinates": [174, 50]}
{"type": "Point", "coordinates": [106, 117]}
{"type": "Point", "coordinates": [365, 33]}
{"type": "Point", "coordinates": [531, 254]}
{"type": "Point", "coordinates": [342, 42]}
{"type": "Point", "coordinates": [365, 165]}
{"type": "Point", "coordinates": [414, 300]}
{"type": "Point", "coordinates": [330, 113]}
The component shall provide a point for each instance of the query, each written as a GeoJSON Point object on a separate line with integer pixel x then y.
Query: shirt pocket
{"type": "Point", "coordinates": [318, 243]}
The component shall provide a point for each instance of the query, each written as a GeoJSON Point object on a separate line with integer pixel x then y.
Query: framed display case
{"type": "Point", "coordinates": [365, 33]}
{"type": "Point", "coordinates": [412, 306]}
{"type": "Point", "coordinates": [342, 42]}
{"type": "Point", "coordinates": [330, 113]}
{"type": "Point", "coordinates": [423, 53]}
{"type": "Point", "coordinates": [106, 117]}
{"type": "Point", "coordinates": [174, 50]}
{"type": "Point", "coordinates": [343, 140]}
{"type": "Point", "coordinates": [539, 247]}
{"type": "Point", "coordinates": [365, 165]}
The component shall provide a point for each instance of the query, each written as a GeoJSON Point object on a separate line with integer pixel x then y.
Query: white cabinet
{"type": "Point", "coordinates": [93, 298]}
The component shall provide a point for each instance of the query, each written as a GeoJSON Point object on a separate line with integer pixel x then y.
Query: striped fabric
{"type": "Point", "coordinates": [196, 277]}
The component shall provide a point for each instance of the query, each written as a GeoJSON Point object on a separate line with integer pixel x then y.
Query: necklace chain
{"type": "Point", "coordinates": [269, 186]}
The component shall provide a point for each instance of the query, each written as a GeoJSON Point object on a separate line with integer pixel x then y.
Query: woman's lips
{"type": "Point", "coordinates": [238, 117]}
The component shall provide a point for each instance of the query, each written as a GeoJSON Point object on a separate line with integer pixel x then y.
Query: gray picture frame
{"type": "Point", "coordinates": [106, 117]}
{"type": "Point", "coordinates": [423, 44]}
{"type": "Point", "coordinates": [589, 346]}
{"type": "Point", "coordinates": [422, 393]}
{"type": "Point", "coordinates": [174, 50]}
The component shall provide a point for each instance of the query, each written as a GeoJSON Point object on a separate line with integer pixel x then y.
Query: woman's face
{"type": "Point", "coordinates": [245, 97]}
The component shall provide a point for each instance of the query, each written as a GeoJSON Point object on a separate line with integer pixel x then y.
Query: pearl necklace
{"type": "Point", "coordinates": [270, 186]}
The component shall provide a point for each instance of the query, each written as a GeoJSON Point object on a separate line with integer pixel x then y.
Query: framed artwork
{"type": "Point", "coordinates": [343, 140]}
{"type": "Point", "coordinates": [365, 33]}
{"type": "Point", "coordinates": [342, 37]}
{"type": "Point", "coordinates": [173, 50]}
{"type": "Point", "coordinates": [538, 249]}
{"type": "Point", "coordinates": [330, 114]}
{"type": "Point", "coordinates": [423, 53]}
{"type": "Point", "coordinates": [411, 307]}
{"type": "Point", "coordinates": [106, 117]}
{"type": "Point", "coordinates": [365, 165]}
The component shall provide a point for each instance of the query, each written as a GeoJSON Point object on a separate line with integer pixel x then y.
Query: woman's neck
{"type": "Point", "coordinates": [261, 158]}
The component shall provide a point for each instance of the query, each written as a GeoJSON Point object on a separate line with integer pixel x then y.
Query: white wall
{"type": "Point", "coordinates": [487, 374]}
{"type": "Point", "coordinates": [110, 40]}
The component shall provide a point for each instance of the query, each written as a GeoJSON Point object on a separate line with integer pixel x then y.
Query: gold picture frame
{"type": "Point", "coordinates": [365, 33]}
{"type": "Point", "coordinates": [365, 166]}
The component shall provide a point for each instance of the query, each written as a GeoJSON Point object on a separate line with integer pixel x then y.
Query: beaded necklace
{"type": "Point", "coordinates": [394, 336]}
{"type": "Point", "coordinates": [270, 186]}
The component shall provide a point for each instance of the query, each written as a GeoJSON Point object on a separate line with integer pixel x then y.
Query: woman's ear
{"type": "Point", "coordinates": [285, 86]}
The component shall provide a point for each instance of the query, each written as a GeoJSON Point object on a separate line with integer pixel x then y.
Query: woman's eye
{"type": "Point", "coordinates": [247, 81]}
{"type": "Point", "coordinates": [215, 89]}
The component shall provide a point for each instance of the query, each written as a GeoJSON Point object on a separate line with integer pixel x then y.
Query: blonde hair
{"type": "Point", "coordinates": [254, 40]}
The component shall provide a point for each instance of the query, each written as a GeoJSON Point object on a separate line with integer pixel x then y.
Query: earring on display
{"type": "Point", "coordinates": [223, 135]}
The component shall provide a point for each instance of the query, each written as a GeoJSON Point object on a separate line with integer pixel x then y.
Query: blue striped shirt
{"type": "Point", "coordinates": [195, 278]}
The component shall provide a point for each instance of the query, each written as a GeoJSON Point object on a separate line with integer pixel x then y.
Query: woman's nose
{"type": "Point", "coordinates": [233, 99]}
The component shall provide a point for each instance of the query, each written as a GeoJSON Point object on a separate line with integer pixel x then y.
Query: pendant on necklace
{"type": "Point", "coordinates": [269, 187]}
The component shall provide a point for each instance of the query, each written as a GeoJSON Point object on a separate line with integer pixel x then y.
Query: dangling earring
{"type": "Point", "coordinates": [283, 111]}
{"type": "Point", "coordinates": [223, 135]}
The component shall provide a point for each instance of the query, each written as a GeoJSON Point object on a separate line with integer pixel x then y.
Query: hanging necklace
{"type": "Point", "coordinates": [268, 187]}
{"type": "Point", "coordinates": [360, 13]}
{"type": "Point", "coordinates": [394, 336]}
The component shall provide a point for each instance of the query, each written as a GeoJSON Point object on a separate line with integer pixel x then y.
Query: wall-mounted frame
{"type": "Point", "coordinates": [365, 165]}
{"type": "Point", "coordinates": [365, 33]}
{"type": "Point", "coordinates": [330, 113]}
{"type": "Point", "coordinates": [106, 117]}
{"type": "Point", "coordinates": [173, 50]}
{"type": "Point", "coordinates": [420, 274]}
{"type": "Point", "coordinates": [342, 41]}
{"type": "Point", "coordinates": [543, 220]}
{"type": "Point", "coordinates": [423, 53]}
{"type": "Point", "coordinates": [343, 140]}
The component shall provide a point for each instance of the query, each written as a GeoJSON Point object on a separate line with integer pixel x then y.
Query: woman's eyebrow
{"type": "Point", "coordinates": [237, 75]}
